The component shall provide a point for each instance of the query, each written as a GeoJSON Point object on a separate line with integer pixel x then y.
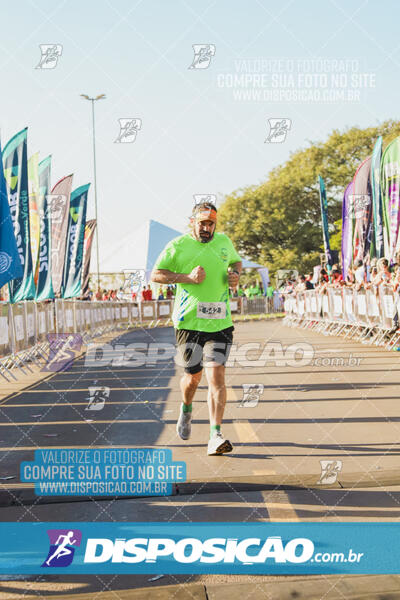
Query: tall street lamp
{"type": "Point", "coordinates": [93, 100]}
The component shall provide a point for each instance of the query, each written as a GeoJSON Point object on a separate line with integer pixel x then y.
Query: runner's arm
{"type": "Point", "coordinates": [236, 266]}
{"type": "Point", "coordinates": [165, 276]}
{"type": "Point", "coordinates": [234, 273]}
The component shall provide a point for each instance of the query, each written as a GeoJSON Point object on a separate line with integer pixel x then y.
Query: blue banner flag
{"type": "Point", "coordinates": [72, 280]}
{"type": "Point", "coordinates": [15, 162]}
{"type": "Point", "coordinates": [44, 286]}
{"type": "Point", "coordinates": [10, 262]}
{"type": "Point", "coordinates": [258, 548]}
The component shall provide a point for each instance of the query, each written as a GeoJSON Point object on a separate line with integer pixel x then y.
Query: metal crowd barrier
{"type": "Point", "coordinates": [258, 304]}
{"type": "Point", "coordinates": [370, 316]}
{"type": "Point", "coordinates": [24, 326]}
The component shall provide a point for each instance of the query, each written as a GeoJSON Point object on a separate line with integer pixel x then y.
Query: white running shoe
{"type": "Point", "coordinates": [184, 425]}
{"type": "Point", "coordinates": [218, 445]}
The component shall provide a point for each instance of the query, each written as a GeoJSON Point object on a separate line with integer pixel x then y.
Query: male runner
{"type": "Point", "coordinates": [198, 263]}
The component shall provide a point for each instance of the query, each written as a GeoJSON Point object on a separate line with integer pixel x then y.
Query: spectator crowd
{"type": "Point", "coordinates": [359, 276]}
{"type": "Point", "coordinates": [145, 295]}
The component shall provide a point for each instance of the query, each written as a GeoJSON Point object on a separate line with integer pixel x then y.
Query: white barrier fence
{"type": "Point", "coordinates": [370, 315]}
{"type": "Point", "coordinates": [24, 326]}
{"type": "Point", "coordinates": [257, 305]}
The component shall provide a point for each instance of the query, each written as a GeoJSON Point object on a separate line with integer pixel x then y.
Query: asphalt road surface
{"type": "Point", "coordinates": [314, 398]}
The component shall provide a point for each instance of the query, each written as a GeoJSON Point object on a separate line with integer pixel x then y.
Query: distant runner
{"type": "Point", "coordinates": [198, 263]}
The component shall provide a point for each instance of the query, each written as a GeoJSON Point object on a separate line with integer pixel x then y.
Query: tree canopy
{"type": "Point", "coordinates": [278, 223]}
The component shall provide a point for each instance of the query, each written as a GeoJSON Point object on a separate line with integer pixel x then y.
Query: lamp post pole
{"type": "Point", "coordinates": [93, 100]}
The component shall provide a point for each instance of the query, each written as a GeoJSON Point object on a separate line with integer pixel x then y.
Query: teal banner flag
{"type": "Point", "coordinates": [325, 227]}
{"type": "Point", "coordinates": [15, 162]}
{"type": "Point", "coordinates": [44, 286]}
{"type": "Point", "coordinates": [72, 280]}
{"type": "Point", "coordinates": [10, 264]}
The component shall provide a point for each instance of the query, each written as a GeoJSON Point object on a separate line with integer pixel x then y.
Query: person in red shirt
{"type": "Point", "coordinates": [337, 277]}
{"type": "Point", "coordinates": [324, 274]}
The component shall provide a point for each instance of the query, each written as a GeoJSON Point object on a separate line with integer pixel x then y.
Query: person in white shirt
{"type": "Point", "coordinates": [359, 272]}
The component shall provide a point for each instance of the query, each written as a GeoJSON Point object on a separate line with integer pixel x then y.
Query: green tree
{"type": "Point", "coordinates": [278, 223]}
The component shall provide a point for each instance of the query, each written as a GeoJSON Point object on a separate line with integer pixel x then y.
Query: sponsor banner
{"type": "Point", "coordinates": [44, 286]}
{"type": "Point", "coordinates": [71, 286]}
{"type": "Point", "coordinates": [390, 185]}
{"type": "Point", "coordinates": [362, 206]}
{"type": "Point", "coordinates": [59, 207]}
{"type": "Point", "coordinates": [87, 251]}
{"type": "Point", "coordinates": [34, 218]}
{"type": "Point", "coordinates": [347, 229]}
{"type": "Point", "coordinates": [377, 199]}
{"type": "Point", "coordinates": [325, 223]}
{"type": "Point", "coordinates": [16, 173]}
{"type": "Point", "coordinates": [197, 548]}
{"type": "Point", "coordinates": [10, 263]}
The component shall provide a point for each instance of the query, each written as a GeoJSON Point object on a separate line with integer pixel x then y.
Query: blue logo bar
{"type": "Point", "coordinates": [195, 548]}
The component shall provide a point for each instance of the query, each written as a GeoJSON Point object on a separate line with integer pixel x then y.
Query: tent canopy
{"type": "Point", "coordinates": [248, 264]}
{"type": "Point", "coordinates": [158, 238]}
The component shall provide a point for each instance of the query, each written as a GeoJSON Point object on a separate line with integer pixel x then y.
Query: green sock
{"type": "Point", "coordinates": [186, 407]}
{"type": "Point", "coordinates": [213, 429]}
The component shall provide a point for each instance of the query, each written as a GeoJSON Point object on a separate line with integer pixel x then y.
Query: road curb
{"type": "Point", "coordinates": [23, 494]}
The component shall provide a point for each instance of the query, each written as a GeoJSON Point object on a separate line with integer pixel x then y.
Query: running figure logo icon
{"type": "Point", "coordinates": [203, 54]}
{"type": "Point", "coordinates": [55, 207]}
{"type": "Point", "coordinates": [128, 129]}
{"type": "Point", "coordinates": [50, 55]}
{"type": "Point", "coordinates": [251, 394]}
{"type": "Point", "coordinates": [97, 397]}
{"type": "Point", "coordinates": [62, 349]}
{"type": "Point", "coordinates": [200, 198]}
{"type": "Point", "coordinates": [61, 551]}
{"type": "Point", "coordinates": [278, 129]}
{"type": "Point", "coordinates": [330, 469]}
{"type": "Point", "coordinates": [359, 203]}
{"type": "Point", "coordinates": [134, 280]}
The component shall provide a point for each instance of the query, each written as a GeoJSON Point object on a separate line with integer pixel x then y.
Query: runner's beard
{"type": "Point", "coordinates": [205, 237]}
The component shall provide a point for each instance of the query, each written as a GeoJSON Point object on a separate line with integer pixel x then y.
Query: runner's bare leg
{"type": "Point", "coordinates": [189, 383]}
{"type": "Point", "coordinates": [216, 397]}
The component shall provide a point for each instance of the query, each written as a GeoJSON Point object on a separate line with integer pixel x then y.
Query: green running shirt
{"type": "Point", "coordinates": [200, 306]}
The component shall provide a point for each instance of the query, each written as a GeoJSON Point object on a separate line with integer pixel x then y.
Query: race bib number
{"type": "Point", "coordinates": [211, 310]}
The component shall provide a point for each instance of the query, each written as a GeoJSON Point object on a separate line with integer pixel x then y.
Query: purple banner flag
{"type": "Point", "coordinates": [347, 229]}
{"type": "Point", "coordinates": [59, 207]}
{"type": "Point", "coordinates": [362, 205]}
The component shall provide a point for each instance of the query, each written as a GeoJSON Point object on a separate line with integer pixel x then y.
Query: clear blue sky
{"type": "Point", "coordinates": [196, 136]}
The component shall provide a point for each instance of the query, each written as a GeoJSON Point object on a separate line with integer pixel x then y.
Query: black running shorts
{"type": "Point", "coordinates": [193, 344]}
